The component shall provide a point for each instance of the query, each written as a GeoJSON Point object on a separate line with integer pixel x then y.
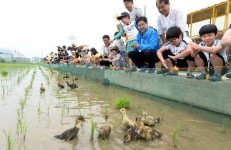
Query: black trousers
{"type": "Point", "coordinates": [144, 58]}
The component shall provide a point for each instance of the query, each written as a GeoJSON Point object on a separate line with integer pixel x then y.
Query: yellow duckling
{"type": "Point", "coordinates": [42, 88]}
{"type": "Point", "coordinates": [105, 130]}
{"type": "Point", "coordinates": [126, 122]}
{"type": "Point", "coordinates": [149, 120]}
{"type": "Point", "coordinates": [71, 133]}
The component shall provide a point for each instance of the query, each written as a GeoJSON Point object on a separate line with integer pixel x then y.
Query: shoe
{"type": "Point", "coordinates": [163, 71]}
{"type": "Point", "coordinates": [171, 73]}
{"type": "Point", "coordinates": [202, 76]}
{"type": "Point", "coordinates": [130, 69]}
{"type": "Point", "coordinates": [190, 75]}
{"type": "Point", "coordinates": [143, 69]}
{"type": "Point", "coordinates": [215, 78]}
{"type": "Point", "coordinates": [150, 71]}
{"type": "Point", "coordinates": [228, 75]}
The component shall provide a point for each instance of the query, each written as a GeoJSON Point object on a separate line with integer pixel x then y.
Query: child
{"type": "Point", "coordinates": [121, 45]}
{"type": "Point", "coordinates": [210, 54]}
{"type": "Point", "coordinates": [176, 52]}
{"type": "Point", "coordinates": [131, 31]}
{"type": "Point", "coordinates": [86, 55]}
{"type": "Point", "coordinates": [116, 58]}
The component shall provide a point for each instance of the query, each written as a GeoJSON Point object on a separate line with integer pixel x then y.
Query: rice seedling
{"type": "Point", "coordinates": [225, 126]}
{"type": "Point", "coordinates": [4, 74]}
{"type": "Point", "coordinates": [9, 141]}
{"type": "Point", "coordinates": [24, 130]}
{"type": "Point", "coordinates": [93, 127]}
{"type": "Point", "coordinates": [175, 135]}
{"type": "Point", "coordinates": [122, 102]}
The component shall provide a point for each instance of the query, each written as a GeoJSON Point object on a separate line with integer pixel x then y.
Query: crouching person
{"type": "Point", "coordinates": [210, 55]}
{"type": "Point", "coordinates": [145, 47]}
{"type": "Point", "coordinates": [176, 53]}
{"type": "Point", "coordinates": [116, 58]}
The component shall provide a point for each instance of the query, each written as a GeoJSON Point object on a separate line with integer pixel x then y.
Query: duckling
{"type": "Point", "coordinates": [149, 120]}
{"type": "Point", "coordinates": [72, 86]}
{"type": "Point", "coordinates": [105, 130]}
{"type": "Point", "coordinates": [42, 88]}
{"type": "Point", "coordinates": [146, 132]}
{"type": "Point", "coordinates": [71, 133]}
{"type": "Point", "coordinates": [61, 86]}
{"type": "Point", "coordinates": [75, 78]}
{"type": "Point", "coordinates": [66, 77]}
{"type": "Point", "coordinates": [131, 135]}
{"type": "Point", "coordinates": [126, 122]}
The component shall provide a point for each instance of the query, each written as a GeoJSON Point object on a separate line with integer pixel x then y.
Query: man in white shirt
{"type": "Point", "coordinates": [105, 51]}
{"type": "Point", "coordinates": [134, 11]}
{"type": "Point", "coordinates": [170, 17]}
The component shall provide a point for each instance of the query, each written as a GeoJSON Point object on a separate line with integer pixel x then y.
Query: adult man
{"type": "Point", "coordinates": [105, 51]}
{"type": "Point", "coordinates": [135, 12]}
{"type": "Point", "coordinates": [169, 17]}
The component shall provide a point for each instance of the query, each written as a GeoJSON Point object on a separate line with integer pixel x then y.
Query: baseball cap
{"type": "Point", "coordinates": [123, 14]}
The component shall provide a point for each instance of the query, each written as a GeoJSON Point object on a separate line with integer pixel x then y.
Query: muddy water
{"type": "Point", "coordinates": [50, 113]}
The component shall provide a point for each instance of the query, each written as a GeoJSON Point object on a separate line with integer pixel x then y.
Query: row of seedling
{"type": "Point", "coordinates": [45, 76]}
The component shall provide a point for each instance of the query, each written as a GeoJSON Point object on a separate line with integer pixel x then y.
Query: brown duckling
{"type": "Point", "coordinates": [75, 78]}
{"type": "Point", "coordinates": [146, 132]}
{"type": "Point", "coordinates": [61, 86]}
{"type": "Point", "coordinates": [42, 88]}
{"type": "Point", "coordinates": [105, 130]}
{"type": "Point", "coordinates": [71, 133]}
{"type": "Point", "coordinates": [72, 86]}
{"type": "Point", "coordinates": [149, 120]}
{"type": "Point", "coordinates": [131, 135]}
{"type": "Point", "coordinates": [126, 122]}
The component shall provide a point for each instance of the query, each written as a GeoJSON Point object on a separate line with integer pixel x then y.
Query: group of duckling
{"type": "Point", "coordinates": [103, 132]}
{"type": "Point", "coordinates": [70, 85]}
{"type": "Point", "coordinates": [141, 128]}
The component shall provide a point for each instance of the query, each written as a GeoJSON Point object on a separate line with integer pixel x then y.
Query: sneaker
{"type": "Point", "coordinates": [215, 77]}
{"type": "Point", "coordinates": [228, 75]}
{"type": "Point", "coordinates": [151, 71]}
{"type": "Point", "coordinates": [190, 75]}
{"type": "Point", "coordinates": [202, 76]}
{"type": "Point", "coordinates": [143, 69]}
{"type": "Point", "coordinates": [171, 73]}
{"type": "Point", "coordinates": [163, 71]}
{"type": "Point", "coordinates": [130, 69]}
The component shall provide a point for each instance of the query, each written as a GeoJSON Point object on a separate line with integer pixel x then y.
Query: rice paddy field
{"type": "Point", "coordinates": [29, 118]}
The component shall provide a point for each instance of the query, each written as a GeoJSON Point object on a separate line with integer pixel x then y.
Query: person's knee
{"type": "Point", "coordinates": [131, 54]}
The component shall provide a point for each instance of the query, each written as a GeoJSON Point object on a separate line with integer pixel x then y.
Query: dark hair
{"type": "Point", "coordinates": [116, 34]}
{"type": "Point", "coordinates": [162, 1]}
{"type": "Point", "coordinates": [143, 18]}
{"type": "Point", "coordinates": [106, 37]}
{"type": "Point", "coordinates": [128, 1]}
{"type": "Point", "coordinates": [209, 28]}
{"type": "Point", "coordinates": [93, 51]}
{"type": "Point", "coordinates": [173, 32]}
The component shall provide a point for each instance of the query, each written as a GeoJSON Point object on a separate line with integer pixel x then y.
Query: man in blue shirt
{"type": "Point", "coordinates": [146, 46]}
